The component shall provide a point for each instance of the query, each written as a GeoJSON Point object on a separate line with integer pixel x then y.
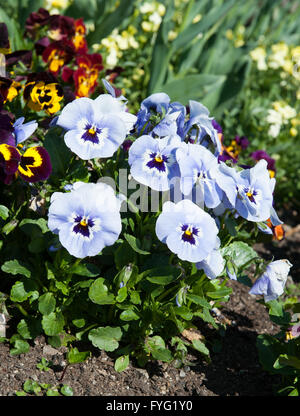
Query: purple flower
{"type": "Point", "coordinates": [261, 154]}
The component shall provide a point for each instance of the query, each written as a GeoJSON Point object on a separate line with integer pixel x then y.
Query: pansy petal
{"type": "Point", "coordinates": [75, 111]}
{"type": "Point", "coordinates": [9, 158]}
{"type": "Point", "coordinates": [23, 131]}
{"type": "Point", "coordinates": [35, 164]}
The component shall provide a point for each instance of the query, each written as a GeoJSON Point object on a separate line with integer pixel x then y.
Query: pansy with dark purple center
{"type": "Point", "coordinates": [249, 191]}
{"type": "Point", "coordinates": [188, 230]}
{"type": "Point", "coordinates": [153, 161]}
{"type": "Point", "coordinates": [199, 169]}
{"type": "Point", "coordinates": [95, 128]}
{"type": "Point", "coordinates": [86, 219]}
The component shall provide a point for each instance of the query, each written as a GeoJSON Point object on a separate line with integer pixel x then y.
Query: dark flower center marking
{"type": "Point", "coordinates": [188, 234]}
{"type": "Point", "coordinates": [158, 161]}
{"type": "Point", "coordinates": [83, 225]}
{"type": "Point", "coordinates": [91, 134]}
{"type": "Point", "coordinates": [251, 193]}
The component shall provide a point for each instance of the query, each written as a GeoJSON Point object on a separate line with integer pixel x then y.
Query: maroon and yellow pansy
{"type": "Point", "coordinates": [57, 54]}
{"type": "Point", "coordinates": [78, 40]}
{"type": "Point", "coordinates": [33, 165]}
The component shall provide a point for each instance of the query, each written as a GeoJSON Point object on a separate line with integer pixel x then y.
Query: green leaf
{"type": "Point", "coordinates": [20, 291]}
{"type": "Point", "coordinates": [155, 342]}
{"type": "Point", "coordinates": [98, 293]}
{"type": "Point", "coordinates": [47, 303]}
{"type": "Point", "coordinates": [122, 363]}
{"type": "Point", "coordinates": [193, 87]}
{"type": "Point", "coordinates": [74, 356]}
{"type": "Point", "coordinates": [184, 312]}
{"type": "Point", "coordinates": [134, 244]}
{"type": "Point", "coordinates": [4, 212]}
{"type": "Point", "coordinates": [10, 226]}
{"type": "Point", "coordinates": [267, 347]}
{"type": "Point", "coordinates": [53, 323]}
{"type": "Point", "coordinates": [124, 255]}
{"type": "Point", "coordinates": [240, 253]}
{"type": "Point", "coordinates": [30, 226]}
{"type": "Point", "coordinates": [191, 32]}
{"type": "Point", "coordinates": [122, 294]}
{"type": "Point", "coordinates": [198, 300]}
{"type": "Point", "coordinates": [23, 329]}
{"type": "Point", "coordinates": [162, 275]}
{"type": "Point", "coordinates": [66, 390]}
{"type": "Point", "coordinates": [52, 392]}
{"type": "Point", "coordinates": [20, 347]}
{"type": "Point", "coordinates": [285, 360]}
{"type": "Point", "coordinates": [162, 355]}
{"type": "Point", "coordinates": [59, 153]}
{"type": "Point", "coordinates": [129, 315]}
{"type": "Point", "coordinates": [200, 346]}
{"type": "Point", "coordinates": [15, 267]}
{"type": "Point", "coordinates": [105, 338]}
{"type": "Point", "coordinates": [87, 270]}
{"type": "Point", "coordinates": [220, 293]}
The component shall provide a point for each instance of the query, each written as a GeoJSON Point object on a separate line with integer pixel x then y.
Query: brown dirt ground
{"type": "Point", "coordinates": [234, 371]}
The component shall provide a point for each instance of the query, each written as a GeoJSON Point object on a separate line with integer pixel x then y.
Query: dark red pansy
{"type": "Point", "coordinates": [35, 21]}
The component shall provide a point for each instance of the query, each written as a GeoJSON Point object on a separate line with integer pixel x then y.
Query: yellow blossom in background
{"type": "Point", "coordinates": [280, 114]}
{"type": "Point", "coordinates": [116, 43]}
{"type": "Point", "coordinates": [197, 18]}
{"type": "Point", "coordinates": [56, 6]}
{"type": "Point", "coordinates": [229, 34]}
{"type": "Point", "coordinates": [293, 132]}
{"type": "Point", "coordinates": [172, 35]}
{"type": "Point", "coordinates": [236, 35]}
{"type": "Point", "coordinates": [278, 56]}
{"type": "Point", "coordinates": [259, 56]}
{"type": "Point", "coordinates": [153, 13]}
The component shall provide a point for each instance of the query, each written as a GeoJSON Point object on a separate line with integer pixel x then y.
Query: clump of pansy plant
{"type": "Point", "coordinates": [144, 222]}
{"type": "Point", "coordinates": [60, 42]}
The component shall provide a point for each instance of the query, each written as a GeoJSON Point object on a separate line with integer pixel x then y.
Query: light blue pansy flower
{"type": "Point", "coordinates": [95, 128]}
{"type": "Point", "coordinates": [23, 130]}
{"type": "Point", "coordinates": [155, 103]}
{"type": "Point", "coordinates": [199, 169]}
{"type": "Point", "coordinates": [87, 219]}
{"type": "Point", "coordinates": [187, 230]}
{"type": "Point", "coordinates": [271, 283]}
{"type": "Point", "coordinates": [200, 127]}
{"type": "Point", "coordinates": [213, 265]}
{"type": "Point", "coordinates": [250, 191]}
{"type": "Point", "coordinates": [153, 161]}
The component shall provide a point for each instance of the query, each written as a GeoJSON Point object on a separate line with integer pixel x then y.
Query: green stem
{"type": "Point", "coordinates": [22, 310]}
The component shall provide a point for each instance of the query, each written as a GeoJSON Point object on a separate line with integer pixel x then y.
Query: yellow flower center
{"type": "Point", "coordinates": [92, 130]}
{"type": "Point", "coordinates": [158, 159]}
{"type": "Point", "coordinates": [83, 222]}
